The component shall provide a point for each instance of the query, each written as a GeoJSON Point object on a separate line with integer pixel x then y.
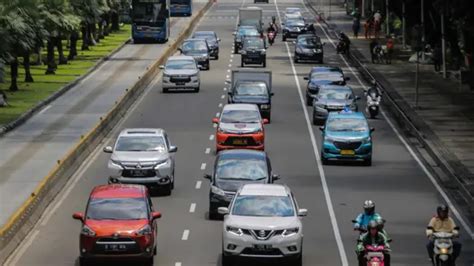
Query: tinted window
{"type": "Point", "coordinates": [309, 42]}
{"type": "Point", "coordinates": [181, 64]}
{"type": "Point", "coordinates": [200, 46]}
{"type": "Point", "coordinates": [252, 169]}
{"type": "Point", "coordinates": [255, 43]}
{"type": "Point", "coordinates": [294, 23]}
{"type": "Point", "coordinates": [347, 124]}
{"type": "Point", "coordinates": [264, 206]}
{"type": "Point", "coordinates": [248, 32]}
{"type": "Point", "coordinates": [240, 116]}
{"type": "Point", "coordinates": [117, 209]}
{"type": "Point", "coordinates": [251, 89]}
{"type": "Point", "coordinates": [140, 143]}
{"type": "Point", "coordinates": [335, 94]}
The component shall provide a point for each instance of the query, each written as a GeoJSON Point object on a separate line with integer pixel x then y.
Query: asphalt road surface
{"type": "Point", "coordinates": [403, 192]}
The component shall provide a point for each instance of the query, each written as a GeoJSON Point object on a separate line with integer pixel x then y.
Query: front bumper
{"type": "Point", "coordinates": [160, 175]}
{"type": "Point", "coordinates": [192, 83]}
{"type": "Point", "coordinates": [248, 59]}
{"type": "Point", "coordinates": [226, 141]}
{"type": "Point", "coordinates": [309, 56]}
{"type": "Point", "coordinates": [140, 248]}
{"type": "Point", "coordinates": [331, 152]}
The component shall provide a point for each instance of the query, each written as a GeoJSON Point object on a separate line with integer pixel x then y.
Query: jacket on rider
{"type": "Point", "coordinates": [363, 219]}
{"type": "Point", "coordinates": [367, 239]}
{"type": "Point", "coordinates": [441, 225]}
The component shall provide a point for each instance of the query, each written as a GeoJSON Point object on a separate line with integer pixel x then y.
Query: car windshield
{"type": "Point", "coordinates": [140, 143]}
{"type": "Point", "coordinates": [241, 169]}
{"type": "Point", "coordinates": [199, 46]}
{"type": "Point", "coordinates": [347, 124]}
{"type": "Point", "coordinates": [335, 94]}
{"type": "Point", "coordinates": [181, 64]}
{"type": "Point", "coordinates": [251, 89]}
{"type": "Point", "coordinates": [117, 209]}
{"type": "Point", "coordinates": [255, 43]}
{"type": "Point", "coordinates": [293, 10]}
{"type": "Point", "coordinates": [240, 116]}
{"type": "Point", "coordinates": [205, 35]}
{"type": "Point", "coordinates": [309, 42]}
{"type": "Point", "coordinates": [248, 32]}
{"type": "Point", "coordinates": [294, 23]}
{"type": "Point", "coordinates": [263, 206]}
{"type": "Point", "coordinates": [337, 78]}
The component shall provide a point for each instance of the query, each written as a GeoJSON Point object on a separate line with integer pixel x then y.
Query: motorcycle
{"type": "Point", "coordinates": [342, 47]}
{"type": "Point", "coordinates": [443, 249]}
{"type": "Point", "coordinates": [271, 37]}
{"type": "Point", "coordinates": [373, 104]}
{"type": "Point", "coordinates": [374, 255]}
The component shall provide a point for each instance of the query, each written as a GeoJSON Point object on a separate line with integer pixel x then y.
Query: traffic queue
{"type": "Point", "coordinates": [261, 219]}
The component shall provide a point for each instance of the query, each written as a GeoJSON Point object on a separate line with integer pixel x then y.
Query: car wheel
{"type": "Point", "coordinates": [167, 189]}
{"type": "Point", "coordinates": [298, 261]}
{"type": "Point", "coordinates": [324, 160]}
{"type": "Point", "coordinates": [295, 60]}
{"type": "Point", "coordinates": [208, 65]}
{"type": "Point", "coordinates": [242, 63]}
{"type": "Point", "coordinates": [368, 162]}
{"type": "Point", "coordinates": [155, 250]}
{"type": "Point", "coordinates": [283, 38]}
{"type": "Point", "coordinates": [315, 121]}
{"type": "Point", "coordinates": [213, 215]}
{"type": "Point", "coordinates": [227, 260]}
{"type": "Point", "coordinates": [217, 57]}
{"type": "Point", "coordinates": [265, 62]}
{"type": "Point", "coordinates": [309, 101]}
{"type": "Point", "coordinates": [165, 90]}
{"type": "Point", "coordinates": [150, 261]}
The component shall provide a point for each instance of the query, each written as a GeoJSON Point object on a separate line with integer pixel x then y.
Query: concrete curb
{"type": "Point", "coordinates": [456, 175]}
{"type": "Point", "coordinates": [20, 224]}
{"type": "Point", "coordinates": [33, 110]}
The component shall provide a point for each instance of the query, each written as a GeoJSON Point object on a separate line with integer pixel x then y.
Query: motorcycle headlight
{"type": "Point", "coordinates": [217, 191]}
{"type": "Point", "coordinates": [444, 251]}
{"type": "Point", "coordinates": [290, 232]}
{"type": "Point", "coordinates": [87, 231]}
{"type": "Point", "coordinates": [234, 230]}
{"type": "Point", "coordinates": [146, 230]}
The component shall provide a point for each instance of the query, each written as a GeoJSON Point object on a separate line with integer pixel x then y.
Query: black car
{"type": "Point", "coordinates": [242, 32]}
{"type": "Point", "coordinates": [199, 50]}
{"type": "Point", "coordinates": [254, 92]}
{"type": "Point", "coordinates": [260, 1]}
{"type": "Point", "coordinates": [322, 75]}
{"type": "Point", "coordinates": [293, 28]}
{"type": "Point", "coordinates": [232, 169]}
{"type": "Point", "coordinates": [309, 47]}
{"type": "Point", "coordinates": [212, 41]}
{"type": "Point", "coordinates": [253, 51]}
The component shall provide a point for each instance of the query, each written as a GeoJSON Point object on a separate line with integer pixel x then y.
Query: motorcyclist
{"type": "Point", "coordinates": [373, 93]}
{"type": "Point", "coordinates": [273, 26]}
{"type": "Point", "coordinates": [381, 224]}
{"type": "Point", "coordinates": [369, 214]}
{"type": "Point", "coordinates": [442, 223]}
{"type": "Point", "coordinates": [372, 237]}
{"type": "Point", "coordinates": [344, 40]}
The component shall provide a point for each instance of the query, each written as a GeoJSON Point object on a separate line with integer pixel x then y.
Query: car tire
{"type": "Point", "coordinates": [217, 57]}
{"type": "Point", "coordinates": [167, 189]}
{"type": "Point", "coordinates": [242, 64]}
{"type": "Point", "coordinates": [197, 89]}
{"type": "Point", "coordinates": [309, 101]}
{"type": "Point", "coordinates": [227, 260]}
{"type": "Point", "coordinates": [155, 251]}
{"type": "Point", "coordinates": [213, 215]}
{"type": "Point", "coordinates": [296, 59]}
{"type": "Point", "coordinates": [368, 162]}
{"type": "Point", "coordinates": [298, 261]}
{"type": "Point", "coordinates": [283, 38]}
{"type": "Point", "coordinates": [315, 121]}
{"type": "Point", "coordinates": [324, 160]}
{"type": "Point", "coordinates": [208, 65]}
{"type": "Point", "coordinates": [150, 261]}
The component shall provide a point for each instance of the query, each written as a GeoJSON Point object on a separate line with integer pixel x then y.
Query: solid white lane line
{"type": "Point", "coordinates": [227, 76]}
{"type": "Point", "coordinates": [13, 260]}
{"type": "Point", "coordinates": [178, 264]}
{"type": "Point", "coordinates": [44, 109]}
{"type": "Point", "coordinates": [208, 150]}
{"type": "Point", "coordinates": [220, 105]}
{"type": "Point", "coordinates": [198, 184]}
{"type": "Point", "coordinates": [408, 147]}
{"type": "Point", "coordinates": [228, 70]}
{"type": "Point", "coordinates": [211, 137]}
{"type": "Point", "coordinates": [231, 56]}
{"type": "Point", "coordinates": [322, 175]}
{"type": "Point", "coordinates": [192, 208]}
{"type": "Point", "coordinates": [230, 60]}
{"type": "Point", "coordinates": [185, 235]}
{"type": "Point", "coordinates": [203, 166]}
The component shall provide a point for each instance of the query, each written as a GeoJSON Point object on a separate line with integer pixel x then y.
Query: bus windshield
{"type": "Point", "coordinates": [149, 11]}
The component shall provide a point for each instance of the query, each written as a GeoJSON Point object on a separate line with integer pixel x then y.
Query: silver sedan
{"type": "Point", "coordinates": [180, 72]}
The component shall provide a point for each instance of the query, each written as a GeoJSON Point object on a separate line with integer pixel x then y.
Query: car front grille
{"type": "Point", "coordinates": [240, 141]}
{"type": "Point", "coordinates": [178, 79]}
{"type": "Point", "coordinates": [347, 145]}
{"type": "Point", "coordinates": [257, 252]}
{"type": "Point", "coordinates": [335, 107]}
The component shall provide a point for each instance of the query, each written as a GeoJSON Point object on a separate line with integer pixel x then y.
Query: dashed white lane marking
{"type": "Point", "coordinates": [220, 105]}
{"type": "Point", "coordinates": [230, 65]}
{"type": "Point", "coordinates": [185, 235]}
{"type": "Point", "coordinates": [211, 137]}
{"type": "Point", "coordinates": [228, 70]}
{"type": "Point", "coordinates": [218, 114]}
{"type": "Point", "coordinates": [192, 208]}
{"type": "Point", "coordinates": [49, 106]}
{"type": "Point", "coordinates": [223, 96]}
{"type": "Point", "coordinates": [230, 60]}
{"type": "Point", "coordinates": [203, 166]}
{"type": "Point", "coordinates": [208, 150]}
{"type": "Point", "coordinates": [225, 89]}
{"type": "Point", "coordinates": [23, 248]}
{"type": "Point", "coordinates": [227, 76]}
{"type": "Point", "coordinates": [214, 125]}
{"type": "Point", "coordinates": [198, 184]}
{"type": "Point", "coordinates": [231, 56]}
{"type": "Point", "coordinates": [178, 264]}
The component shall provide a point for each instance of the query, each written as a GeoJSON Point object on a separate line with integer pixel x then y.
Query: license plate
{"type": "Point", "coordinates": [180, 83]}
{"type": "Point", "coordinates": [240, 142]}
{"type": "Point", "coordinates": [115, 247]}
{"type": "Point", "coordinates": [347, 152]}
{"type": "Point", "coordinates": [263, 247]}
{"type": "Point", "coordinates": [138, 172]}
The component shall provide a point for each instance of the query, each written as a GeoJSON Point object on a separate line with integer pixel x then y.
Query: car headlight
{"type": "Point", "coordinates": [299, 50]}
{"type": "Point", "coordinates": [329, 139]}
{"type": "Point", "coordinates": [290, 231]}
{"type": "Point", "coordinates": [161, 163]}
{"type": "Point", "coordinates": [318, 51]}
{"type": "Point", "coordinates": [146, 230]}
{"type": "Point", "coordinates": [265, 106]}
{"type": "Point", "coordinates": [217, 191]}
{"type": "Point", "coordinates": [234, 230]}
{"type": "Point", "coordinates": [366, 140]}
{"type": "Point", "coordinates": [312, 87]}
{"type": "Point", "coordinates": [243, 52]}
{"type": "Point", "coordinates": [87, 231]}
{"type": "Point", "coordinates": [116, 163]}
{"type": "Point", "coordinates": [263, 52]}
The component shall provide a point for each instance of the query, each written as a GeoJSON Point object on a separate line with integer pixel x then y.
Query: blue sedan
{"type": "Point", "coordinates": [347, 136]}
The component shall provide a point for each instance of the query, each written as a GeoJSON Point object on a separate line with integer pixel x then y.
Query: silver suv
{"type": "Point", "coordinates": [142, 156]}
{"type": "Point", "coordinates": [180, 72]}
{"type": "Point", "coordinates": [263, 220]}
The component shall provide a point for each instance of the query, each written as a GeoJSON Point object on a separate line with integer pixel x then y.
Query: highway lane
{"type": "Point", "coordinates": [398, 185]}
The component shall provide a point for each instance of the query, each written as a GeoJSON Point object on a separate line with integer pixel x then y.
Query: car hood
{"type": "Point", "coordinates": [348, 135]}
{"type": "Point", "coordinates": [265, 223]}
{"type": "Point", "coordinates": [250, 99]}
{"type": "Point", "coordinates": [195, 53]}
{"type": "Point", "coordinates": [334, 102]}
{"type": "Point", "coordinates": [181, 71]}
{"type": "Point", "coordinates": [316, 82]}
{"type": "Point", "coordinates": [120, 227]}
{"type": "Point", "coordinates": [240, 127]}
{"type": "Point", "coordinates": [130, 156]}
{"type": "Point", "coordinates": [234, 185]}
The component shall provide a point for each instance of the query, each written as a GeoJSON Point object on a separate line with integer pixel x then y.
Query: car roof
{"type": "Point", "coordinates": [118, 191]}
{"type": "Point", "coordinates": [205, 32]}
{"type": "Point", "coordinates": [335, 87]}
{"type": "Point", "coordinates": [293, 8]}
{"type": "Point", "coordinates": [240, 106]}
{"type": "Point", "coordinates": [196, 39]}
{"type": "Point", "coordinates": [180, 57]}
{"type": "Point", "coordinates": [354, 115]}
{"type": "Point", "coordinates": [242, 153]}
{"type": "Point", "coordinates": [247, 27]}
{"type": "Point", "coordinates": [326, 69]}
{"type": "Point", "coordinates": [142, 132]}
{"type": "Point", "coordinates": [264, 190]}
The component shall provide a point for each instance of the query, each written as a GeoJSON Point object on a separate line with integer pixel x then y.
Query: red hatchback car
{"type": "Point", "coordinates": [119, 223]}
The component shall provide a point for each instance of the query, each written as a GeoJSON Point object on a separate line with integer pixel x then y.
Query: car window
{"type": "Point", "coordinates": [248, 32]}
{"type": "Point", "coordinates": [117, 209]}
{"type": "Point", "coordinates": [199, 46]}
{"type": "Point", "coordinates": [309, 42]}
{"type": "Point", "coordinates": [140, 143]}
{"type": "Point", "coordinates": [181, 64]}
{"type": "Point", "coordinates": [263, 206]}
{"type": "Point", "coordinates": [347, 124]}
{"type": "Point", "coordinates": [209, 36]}
{"type": "Point", "coordinates": [240, 116]}
{"type": "Point", "coordinates": [241, 169]}
{"type": "Point", "coordinates": [295, 23]}
{"type": "Point", "coordinates": [335, 94]}
{"type": "Point", "coordinates": [251, 89]}
{"type": "Point", "coordinates": [255, 43]}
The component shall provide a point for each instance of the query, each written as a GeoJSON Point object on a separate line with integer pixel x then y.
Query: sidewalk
{"type": "Point", "coordinates": [446, 109]}
{"type": "Point", "coordinates": [29, 152]}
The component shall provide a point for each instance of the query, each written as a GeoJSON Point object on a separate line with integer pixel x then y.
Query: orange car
{"type": "Point", "coordinates": [240, 126]}
{"type": "Point", "coordinates": [119, 223]}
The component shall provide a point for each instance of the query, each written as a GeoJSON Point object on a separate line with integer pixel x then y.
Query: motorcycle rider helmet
{"type": "Point", "coordinates": [442, 210]}
{"type": "Point", "coordinates": [373, 227]}
{"type": "Point", "coordinates": [369, 207]}
{"type": "Point", "coordinates": [380, 222]}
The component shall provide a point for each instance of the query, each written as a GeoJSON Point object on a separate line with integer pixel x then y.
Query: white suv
{"type": "Point", "coordinates": [142, 156]}
{"type": "Point", "coordinates": [263, 220]}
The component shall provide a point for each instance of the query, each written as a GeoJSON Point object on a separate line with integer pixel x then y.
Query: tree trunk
{"type": "Point", "coordinates": [59, 46]}
{"type": "Point", "coordinates": [115, 21]}
{"type": "Point", "coordinates": [85, 37]}
{"type": "Point", "coordinates": [14, 74]}
{"type": "Point", "coordinates": [50, 57]}
{"type": "Point", "coordinates": [37, 51]}
{"type": "Point", "coordinates": [92, 34]}
{"type": "Point", "coordinates": [100, 33]}
{"type": "Point", "coordinates": [73, 45]}
{"type": "Point", "coordinates": [2, 71]}
{"type": "Point", "coordinates": [26, 65]}
{"type": "Point", "coordinates": [107, 24]}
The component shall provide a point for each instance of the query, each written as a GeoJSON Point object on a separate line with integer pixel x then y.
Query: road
{"type": "Point", "coordinates": [333, 194]}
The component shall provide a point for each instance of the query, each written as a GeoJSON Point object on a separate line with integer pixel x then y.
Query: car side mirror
{"type": "Point", "coordinates": [302, 212]}
{"type": "Point", "coordinates": [173, 149]}
{"type": "Point", "coordinates": [283, 23]}
{"type": "Point", "coordinates": [321, 128]}
{"type": "Point", "coordinates": [234, 33]}
{"type": "Point", "coordinates": [223, 210]}
{"type": "Point", "coordinates": [155, 215]}
{"type": "Point", "coordinates": [306, 78]}
{"type": "Point", "coordinates": [215, 120]}
{"type": "Point", "coordinates": [275, 177]}
{"type": "Point", "coordinates": [265, 121]}
{"type": "Point", "coordinates": [218, 39]}
{"type": "Point", "coordinates": [372, 129]}
{"type": "Point", "coordinates": [108, 149]}
{"type": "Point", "coordinates": [207, 176]}
{"type": "Point", "coordinates": [78, 216]}
{"type": "Point", "coordinates": [162, 67]}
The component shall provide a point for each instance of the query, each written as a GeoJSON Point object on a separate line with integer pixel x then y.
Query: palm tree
{"type": "Point", "coordinates": [88, 11]}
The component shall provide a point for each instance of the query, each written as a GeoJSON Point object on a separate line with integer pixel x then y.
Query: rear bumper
{"type": "Point", "coordinates": [331, 152]}
{"type": "Point", "coordinates": [312, 57]}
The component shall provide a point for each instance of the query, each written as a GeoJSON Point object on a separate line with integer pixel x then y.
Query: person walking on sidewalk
{"type": "Point", "coordinates": [377, 23]}
{"type": "Point", "coordinates": [368, 26]}
{"type": "Point", "coordinates": [356, 22]}
{"type": "Point", "coordinates": [374, 43]}
{"type": "Point", "coordinates": [389, 45]}
{"type": "Point", "coordinates": [437, 56]}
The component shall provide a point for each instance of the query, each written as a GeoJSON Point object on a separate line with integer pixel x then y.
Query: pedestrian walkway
{"type": "Point", "coordinates": [444, 105]}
